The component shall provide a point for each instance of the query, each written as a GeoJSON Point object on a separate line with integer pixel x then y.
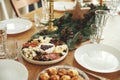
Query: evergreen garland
{"type": "Point", "coordinates": [73, 31]}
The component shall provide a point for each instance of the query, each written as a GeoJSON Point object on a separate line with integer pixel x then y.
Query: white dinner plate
{"type": "Point", "coordinates": [98, 57]}
{"type": "Point", "coordinates": [17, 25]}
{"type": "Point", "coordinates": [12, 70]}
{"type": "Point", "coordinates": [64, 6]}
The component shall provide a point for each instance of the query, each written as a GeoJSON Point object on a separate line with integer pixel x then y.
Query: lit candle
{"type": "Point", "coordinates": [101, 1]}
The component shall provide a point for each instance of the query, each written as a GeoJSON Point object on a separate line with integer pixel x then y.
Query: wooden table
{"type": "Point", "coordinates": [35, 69]}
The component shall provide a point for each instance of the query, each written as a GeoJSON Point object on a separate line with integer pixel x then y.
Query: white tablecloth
{"type": "Point", "coordinates": [112, 32]}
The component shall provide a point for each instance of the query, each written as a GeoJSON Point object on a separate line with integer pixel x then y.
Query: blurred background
{"type": "Point", "coordinates": [7, 12]}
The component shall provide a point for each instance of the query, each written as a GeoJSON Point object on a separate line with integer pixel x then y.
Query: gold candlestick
{"type": "Point", "coordinates": [51, 27]}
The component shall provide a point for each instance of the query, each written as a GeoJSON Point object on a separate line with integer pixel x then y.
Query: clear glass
{"type": "Point", "coordinates": [12, 49]}
{"type": "Point", "coordinates": [3, 38]}
{"type": "Point", "coordinates": [101, 17]}
{"type": "Point", "coordinates": [41, 18]}
{"type": "Point", "coordinates": [113, 6]}
{"type": "Point", "coordinates": [45, 11]}
{"type": "Point", "coordinates": [37, 19]}
{"type": "Point", "coordinates": [96, 34]}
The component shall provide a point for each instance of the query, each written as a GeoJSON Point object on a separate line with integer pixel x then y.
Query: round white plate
{"type": "Point", "coordinates": [44, 62]}
{"type": "Point", "coordinates": [12, 70]}
{"type": "Point", "coordinates": [17, 25]}
{"type": "Point", "coordinates": [64, 6]}
{"type": "Point", "coordinates": [98, 58]}
{"type": "Point", "coordinates": [25, 54]}
{"type": "Point", "coordinates": [81, 73]}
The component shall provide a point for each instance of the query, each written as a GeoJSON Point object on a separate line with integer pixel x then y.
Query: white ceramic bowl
{"type": "Point", "coordinates": [49, 50]}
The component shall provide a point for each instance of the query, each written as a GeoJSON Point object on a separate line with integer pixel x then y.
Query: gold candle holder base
{"type": "Point", "coordinates": [51, 27]}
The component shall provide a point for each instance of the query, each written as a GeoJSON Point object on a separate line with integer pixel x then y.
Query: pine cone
{"type": "Point", "coordinates": [66, 34]}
